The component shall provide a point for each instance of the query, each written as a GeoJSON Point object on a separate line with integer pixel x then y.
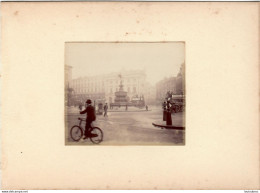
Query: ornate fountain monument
{"type": "Point", "coordinates": [121, 96]}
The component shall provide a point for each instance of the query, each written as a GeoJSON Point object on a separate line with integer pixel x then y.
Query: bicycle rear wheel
{"type": "Point", "coordinates": [76, 133]}
{"type": "Point", "coordinates": [99, 137]}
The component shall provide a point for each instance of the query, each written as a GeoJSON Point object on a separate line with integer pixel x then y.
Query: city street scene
{"type": "Point", "coordinates": [125, 93]}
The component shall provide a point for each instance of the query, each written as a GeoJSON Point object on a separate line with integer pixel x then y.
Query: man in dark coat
{"type": "Point", "coordinates": [90, 118]}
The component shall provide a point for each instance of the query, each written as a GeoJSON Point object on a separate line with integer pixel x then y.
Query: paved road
{"type": "Point", "coordinates": [132, 128]}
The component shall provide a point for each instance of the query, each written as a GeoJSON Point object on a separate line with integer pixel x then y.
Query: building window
{"type": "Point", "coordinates": [134, 89]}
{"type": "Point", "coordinates": [128, 89]}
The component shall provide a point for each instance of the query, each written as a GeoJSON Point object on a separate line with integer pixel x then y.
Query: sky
{"type": "Point", "coordinates": [159, 60]}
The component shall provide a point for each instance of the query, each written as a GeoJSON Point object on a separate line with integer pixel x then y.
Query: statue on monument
{"type": "Point", "coordinates": [121, 95]}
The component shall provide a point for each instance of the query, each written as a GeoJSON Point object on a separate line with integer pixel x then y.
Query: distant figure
{"type": "Point", "coordinates": [168, 113]}
{"type": "Point", "coordinates": [164, 111]}
{"type": "Point", "coordinates": [126, 107]}
{"type": "Point", "coordinates": [146, 108]}
{"type": "Point", "coordinates": [105, 110]}
{"type": "Point", "coordinates": [80, 106]}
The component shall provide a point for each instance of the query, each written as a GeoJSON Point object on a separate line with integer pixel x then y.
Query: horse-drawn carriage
{"type": "Point", "coordinates": [177, 103]}
{"type": "Point", "coordinates": [138, 102]}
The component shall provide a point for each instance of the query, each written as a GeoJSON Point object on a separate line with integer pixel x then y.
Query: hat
{"type": "Point", "coordinates": [88, 101]}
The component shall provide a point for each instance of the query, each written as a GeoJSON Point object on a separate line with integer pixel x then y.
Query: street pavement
{"type": "Point", "coordinates": [131, 128]}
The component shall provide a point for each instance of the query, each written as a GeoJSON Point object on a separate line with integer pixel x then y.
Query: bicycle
{"type": "Point", "coordinates": [76, 133]}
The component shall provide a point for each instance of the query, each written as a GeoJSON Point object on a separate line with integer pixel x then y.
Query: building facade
{"type": "Point", "coordinates": [180, 81]}
{"type": "Point", "coordinates": [103, 87]}
{"type": "Point", "coordinates": [165, 85]}
{"type": "Point", "coordinates": [68, 75]}
{"type": "Point", "coordinates": [68, 89]}
{"type": "Point", "coordinates": [150, 93]}
{"type": "Point", "coordinates": [175, 85]}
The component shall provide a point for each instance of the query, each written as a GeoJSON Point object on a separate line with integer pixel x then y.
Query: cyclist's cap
{"type": "Point", "coordinates": [88, 101]}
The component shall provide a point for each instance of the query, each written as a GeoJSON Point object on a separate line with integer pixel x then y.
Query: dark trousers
{"type": "Point", "coordinates": [168, 118]}
{"type": "Point", "coordinates": [164, 115]}
{"type": "Point", "coordinates": [87, 127]}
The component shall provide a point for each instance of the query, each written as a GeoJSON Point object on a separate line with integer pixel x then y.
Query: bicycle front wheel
{"type": "Point", "coordinates": [76, 133]}
{"type": "Point", "coordinates": [98, 135]}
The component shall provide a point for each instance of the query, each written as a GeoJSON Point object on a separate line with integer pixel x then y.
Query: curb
{"type": "Point", "coordinates": [168, 126]}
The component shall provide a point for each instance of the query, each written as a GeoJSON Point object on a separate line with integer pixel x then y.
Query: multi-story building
{"type": "Point", "coordinates": [176, 85]}
{"type": "Point", "coordinates": [165, 85]}
{"type": "Point", "coordinates": [68, 75]}
{"type": "Point", "coordinates": [88, 88]}
{"type": "Point", "coordinates": [68, 89]}
{"type": "Point", "coordinates": [133, 82]}
{"type": "Point", "coordinates": [103, 87]}
{"type": "Point", "coordinates": [150, 93]}
{"type": "Point", "coordinates": [180, 81]}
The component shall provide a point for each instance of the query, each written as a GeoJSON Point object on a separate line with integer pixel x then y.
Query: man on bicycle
{"type": "Point", "coordinates": [89, 119]}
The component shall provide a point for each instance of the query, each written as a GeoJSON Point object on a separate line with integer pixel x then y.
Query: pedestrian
{"type": "Point", "coordinates": [80, 106]}
{"type": "Point", "coordinates": [105, 110]}
{"type": "Point", "coordinates": [126, 107]}
{"type": "Point", "coordinates": [168, 113]}
{"type": "Point", "coordinates": [90, 111]}
{"type": "Point", "coordinates": [164, 111]}
{"type": "Point", "coordinates": [146, 108]}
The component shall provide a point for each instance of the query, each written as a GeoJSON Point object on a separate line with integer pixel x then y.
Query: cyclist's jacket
{"type": "Point", "coordinates": [90, 113]}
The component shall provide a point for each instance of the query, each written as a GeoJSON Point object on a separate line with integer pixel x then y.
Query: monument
{"type": "Point", "coordinates": [121, 95]}
{"type": "Point", "coordinates": [122, 99]}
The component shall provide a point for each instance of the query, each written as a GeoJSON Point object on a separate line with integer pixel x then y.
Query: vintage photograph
{"type": "Point", "coordinates": [125, 93]}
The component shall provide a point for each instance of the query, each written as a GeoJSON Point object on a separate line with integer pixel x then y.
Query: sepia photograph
{"type": "Point", "coordinates": [130, 96]}
{"type": "Point", "coordinates": [125, 93]}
